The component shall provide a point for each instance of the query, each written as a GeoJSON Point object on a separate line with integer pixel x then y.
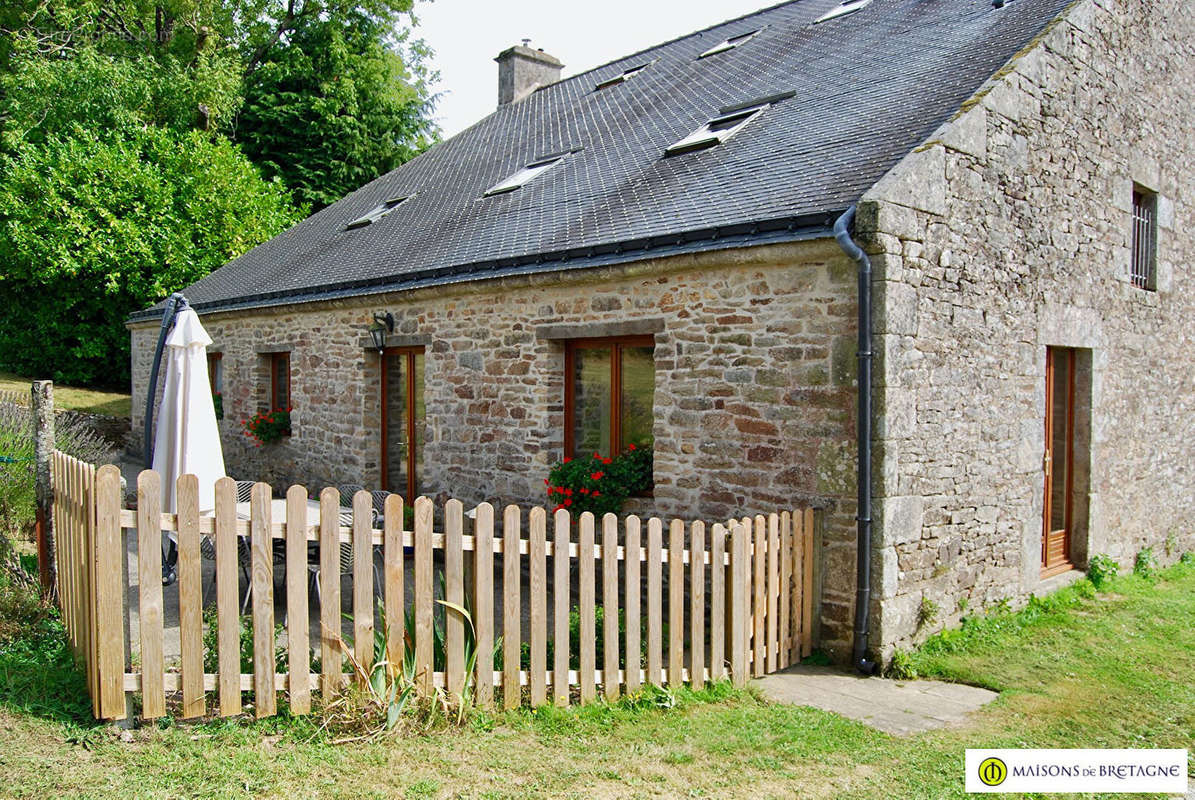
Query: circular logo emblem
{"type": "Point", "coordinates": [992, 772]}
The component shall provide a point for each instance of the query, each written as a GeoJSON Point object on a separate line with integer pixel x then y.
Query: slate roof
{"type": "Point", "coordinates": [869, 87]}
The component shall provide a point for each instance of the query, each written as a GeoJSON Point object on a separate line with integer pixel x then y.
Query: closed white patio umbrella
{"type": "Point", "coordinates": [187, 441]}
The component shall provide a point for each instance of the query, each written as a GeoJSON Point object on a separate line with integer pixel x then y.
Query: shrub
{"type": "Point", "coordinates": [17, 470]}
{"type": "Point", "coordinates": [927, 612]}
{"type": "Point", "coordinates": [600, 484]}
{"type": "Point", "coordinates": [1101, 569]}
{"type": "Point", "coordinates": [218, 404]}
{"type": "Point", "coordinates": [268, 427]}
{"type": "Point", "coordinates": [1187, 558]}
{"type": "Point", "coordinates": [1146, 564]}
{"type": "Point", "coordinates": [902, 666]}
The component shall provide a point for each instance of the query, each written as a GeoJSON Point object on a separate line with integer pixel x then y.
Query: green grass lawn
{"type": "Point", "coordinates": [94, 401]}
{"type": "Point", "coordinates": [1080, 670]}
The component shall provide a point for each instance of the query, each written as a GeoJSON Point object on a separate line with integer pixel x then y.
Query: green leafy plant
{"type": "Point", "coordinates": [599, 484]}
{"type": "Point", "coordinates": [1187, 558]}
{"type": "Point", "coordinates": [218, 404]}
{"type": "Point", "coordinates": [928, 611]}
{"type": "Point", "coordinates": [902, 666]}
{"type": "Point", "coordinates": [1146, 564]}
{"type": "Point", "coordinates": [268, 427]}
{"type": "Point", "coordinates": [1101, 569]}
{"type": "Point", "coordinates": [211, 643]}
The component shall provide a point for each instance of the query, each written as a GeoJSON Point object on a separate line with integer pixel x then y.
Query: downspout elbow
{"type": "Point", "coordinates": [842, 235]}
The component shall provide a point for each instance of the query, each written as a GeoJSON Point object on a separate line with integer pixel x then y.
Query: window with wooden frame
{"type": "Point", "coordinates": [215, 377]}
{"type": "Point", "coordinates": [403, 416]}
{"type": "Point", "coordinates": [609, 391]}
{"type": "Point", "coordinates": [280, 398]}
{"type": "Point", "coordinates": [1144, 258]}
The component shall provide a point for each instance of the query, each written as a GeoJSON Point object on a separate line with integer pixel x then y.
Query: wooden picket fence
{"type": "Point", "coordinates": [732, 602]}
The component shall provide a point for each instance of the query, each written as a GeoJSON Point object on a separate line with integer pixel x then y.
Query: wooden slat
{"type": "Point", "coordinates": [560, 600]}
{"type": "Point", "coordinates": [298, 633]}
{"type": "Point", "coordinates": [676, 602]}
{"type": "Point", "coordinates": [610, 606]}
{"type": "Point", "coordinates": [89, 640]}
{"type": "Point", "coordinates": [265, 696]}
{"type": "Point", "coordinates": [512, 618]}
{"type": "Point", "coordinates": [631, 594]}
{"type": "Point", "coordinates": [331, 657]}
{"type": "Point", "coordinates": [454, 587]}
{"type": "Point", "coordinates": [149, 590]}
{"type": "Point", "coordinates": [697, 604]}
{"type": "Point", "coordinates": [717, 603]}
{"type": "Point", "coordinates": [109, 608]}
{"type": "Point", "coordinates": [587, 629]}
{"type": "Point", "coordinates": [228, 610]}
{"type": "Point", "coordinates": [807, 588]}
{"type": "Point", "coordinates": [483, 602]}
{"type": "Point", "coordinates": [759, 606]}
{"type": "Point", "coordinates": [655, 601]}
{"type": "Point", "coordinates": [786, 575]}
{"type": "Point", "coordinates": [773, 589]}
{"type": "Point", "coordinates": [392, 580]}
{"type": "Point", "coordinates": [538, 667]}
{"type": "Point", "coordinates": [740, 563]}
{"type": "Point", "coordinates": [798, 595]}
{"type": "Point", "coordinates": [190, 596]}
{"type": "Point", "coordinates": [363, 580]}
{"type": "Point", "coordinates": [423, 595]}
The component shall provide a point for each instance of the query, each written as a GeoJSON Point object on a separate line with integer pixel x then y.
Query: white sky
{"type": "Point", "coordinates": [467, 34]}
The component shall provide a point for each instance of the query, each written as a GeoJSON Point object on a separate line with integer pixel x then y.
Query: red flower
{"type": "Point", "coordinates": [596, 476]}
{"type": "Point", "coordinates": [597, 494]}
{"type": "Point", "coordinates": [630, 447]}
{"type": "Point", "coordinates": [607, 460]}
{"type": "Point", "coordinates": [546, 483]}
{"type": "Point", "coordinates": [568, 502]}
{"type": "Point", "coordinates": [584, 490]}
{"type": "Point", "coordinates": [567, 459]}
{"type": "Point", "coordinates": [568, 492]}
{"type": "Point", "coordinates": [597, 455]}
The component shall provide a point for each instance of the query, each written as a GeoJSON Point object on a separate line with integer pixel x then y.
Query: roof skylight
{"type": "Point", "coordinates": [525, 175]}
{"type": "Point", "coordinates": [376, 213]}
{"type": "Point", "coordinates": [729, 44]}
{"type": "Point", "coordinates": [621, 78]}
{"type": "Point", "coordinates": [841, 10]}
{"type": "Point", "coordinates": [729, 121]}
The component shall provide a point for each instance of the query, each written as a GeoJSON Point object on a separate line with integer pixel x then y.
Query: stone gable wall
{"type": "Point", "coordinates": [754, 396]}
{"type": "Point", "coordinates": [1009, 232]}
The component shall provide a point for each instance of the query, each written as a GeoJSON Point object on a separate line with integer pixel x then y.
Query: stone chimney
{"type": "Point", "coordinates": [522, 70]}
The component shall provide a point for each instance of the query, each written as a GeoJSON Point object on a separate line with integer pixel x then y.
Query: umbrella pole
{"type": "Point", "coordinates": [174, 304]}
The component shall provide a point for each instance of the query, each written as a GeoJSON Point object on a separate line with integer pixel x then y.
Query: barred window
{"type": "Point", "coordinates": [1144, 258]}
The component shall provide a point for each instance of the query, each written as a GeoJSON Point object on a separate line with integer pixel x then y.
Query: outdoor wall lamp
{"type": "Point", "coordinates": [382, 324]}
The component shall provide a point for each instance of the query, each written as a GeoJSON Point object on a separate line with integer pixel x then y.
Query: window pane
{"type": "Point", "coordinates": [638, 391]}
{"type": "Point", "coordinates": [1060, 446]}
{"type": "Point", "coordinates": [281, 398]}
{"type": "Point", "coordinates": [591, 401]}
{"type": "Point", "coordinates": [396, 424]}
{"type": "Point", "coordinates": [420, 417]}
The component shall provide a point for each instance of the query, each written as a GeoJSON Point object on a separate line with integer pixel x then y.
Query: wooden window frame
{"type": "Point", "coordinates": [408, 354]}
{"type": "Point", "coordinates": [215, 361]}
{"type": "Point", "coordinates": [615, 344]}
{"type": "Point", "coordinates": [276, 361]}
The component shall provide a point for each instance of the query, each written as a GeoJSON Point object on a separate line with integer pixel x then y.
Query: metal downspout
{"type": "Point", "coordinates": [863, 435]}
{"type": "Point", "coordinates": [174, 304]}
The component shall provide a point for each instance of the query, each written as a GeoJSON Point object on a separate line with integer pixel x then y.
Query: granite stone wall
{"type": "Point", "coordinates": [754, 392]}
{"type": "Point", "coordinates": [1007, 233]}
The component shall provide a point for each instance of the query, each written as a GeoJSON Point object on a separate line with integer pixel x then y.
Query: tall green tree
{"type": "Point", "coordinates": [333, 108]}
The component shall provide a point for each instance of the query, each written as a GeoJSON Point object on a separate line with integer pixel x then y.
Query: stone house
{"type": "Point", "coordinates": [645, 253]}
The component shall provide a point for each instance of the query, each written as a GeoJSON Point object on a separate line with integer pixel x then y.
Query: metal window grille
{"type": "Point", "coordinates": [1143, 267]}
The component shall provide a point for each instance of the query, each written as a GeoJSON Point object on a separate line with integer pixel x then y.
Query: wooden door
{"type": "Point", "coordinates": [1058, 461]}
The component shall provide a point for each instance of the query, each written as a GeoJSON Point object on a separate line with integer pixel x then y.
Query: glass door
{"type": "Point", "coordinates": [403, 417]}
{"type": "Point", "coordinates": [1058, 461]}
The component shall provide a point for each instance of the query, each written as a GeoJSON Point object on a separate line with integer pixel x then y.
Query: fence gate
{"type": "Point", "coordinates": [508, 608]}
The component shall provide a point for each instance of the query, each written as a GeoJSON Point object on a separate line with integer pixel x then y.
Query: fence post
{"type": "Point", "coordinates": [43, 445]}
{"type": "Point", "coordinates": [740, 567]}
{"type": "Point", "coordinates": [105, 505]}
